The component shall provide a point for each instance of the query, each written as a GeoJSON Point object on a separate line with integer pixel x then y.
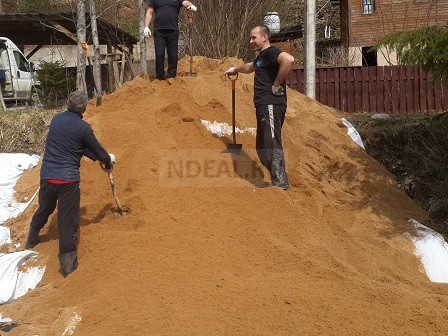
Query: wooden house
{"type": "Point", "coordinates": [365, 22]}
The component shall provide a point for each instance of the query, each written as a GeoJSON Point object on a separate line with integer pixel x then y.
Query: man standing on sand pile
{"type": "Point", "coordinates": [166, 33]}
{"type": "Point", "coordinates": [69, 138]}
{"type": "Point", "coordinates": [271, 67]}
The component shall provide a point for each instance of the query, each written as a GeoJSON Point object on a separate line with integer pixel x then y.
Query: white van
{"type": "Point", "coordinates": [17, 76]}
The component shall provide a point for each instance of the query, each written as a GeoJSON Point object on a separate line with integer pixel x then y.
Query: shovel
{"type": "Point", "coordinates": [121, 211]}
{"type": "Point", "coordinates": [190, 44]}
{"type": "Point", "coordinates": [234, 147]}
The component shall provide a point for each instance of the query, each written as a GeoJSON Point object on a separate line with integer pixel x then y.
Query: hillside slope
{"type": "Point", "coordinates": [212, 252]}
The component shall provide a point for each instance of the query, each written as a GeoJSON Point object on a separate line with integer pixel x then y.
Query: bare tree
{"type": "Point", "coordinates": [143, 48]}
{"type": "Point", "coordinates": [82, 46]}
{"type": "Point", "coordinates": [96, 52]}
{"type": "Point", "coordinates": [221, 27]}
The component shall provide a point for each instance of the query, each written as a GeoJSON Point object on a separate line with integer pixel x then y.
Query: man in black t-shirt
{"type": "Point", "coordinates": [166, 32]}
{"type": "Point", "coordinates": [271, 67]}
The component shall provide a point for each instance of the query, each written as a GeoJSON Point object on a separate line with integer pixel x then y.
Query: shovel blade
{"type": "Point", "coordinates": [234, 148]}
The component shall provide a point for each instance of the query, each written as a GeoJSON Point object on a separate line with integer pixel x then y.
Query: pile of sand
{"type": "Point", "coordinates": [214, 253]}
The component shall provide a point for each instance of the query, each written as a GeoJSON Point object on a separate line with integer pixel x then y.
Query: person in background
{"type": "Point", "coordinates": [69, 138]}
{"type": "Point", "coordinates": [166, 33]}
{"type": "Point", "coordinates": [271, 67]}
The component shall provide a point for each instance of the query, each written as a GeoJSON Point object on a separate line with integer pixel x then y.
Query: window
{"type": "Point", "coordinates": [21, 61]}
{"type": "Point", "coordinates": [368, 6]}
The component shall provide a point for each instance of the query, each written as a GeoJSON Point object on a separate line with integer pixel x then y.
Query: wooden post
{"type": "Point", "coordinates": [96, 63]}
{"type": "Point", "coordinates": [1, 99]}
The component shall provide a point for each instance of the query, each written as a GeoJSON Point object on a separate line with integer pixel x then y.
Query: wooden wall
{"type": "Point", "coordinates": [360, 30]}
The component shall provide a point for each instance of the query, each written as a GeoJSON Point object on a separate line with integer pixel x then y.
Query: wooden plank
{"type": "Point", "coordinates": [395, 90]}
{"type": "Point", "coordinates": [416, 91]}
{"type": "Point", "coordinates": [373, 90]}
{"type": "Point", "coordinates": [380, 88]}
{"type": "Point", "coordinates": [337, 88]}
{"type": "Point", "coordinates": [387, 79]}
{"type": "Point", "coordinates": [343, 89]}
{"type": "Point", "coordinates": [350, 90]}
{"type": "Point", "coordinates": [331, 87]}
{"type": "Point", "coordinates": [2, 102]}
{"type": "Point", "coordinates": [365, 94]}
{"type": "Point", "coordinates": [438, 97]}
{"type": "Point", "coordinates": [357, 89]}
{"type": "Point", "coordinates": [422, 91]}
{"type": "Point", "coordinates": [445, 97]}
{"type": "Point", "coordinates": [410, 83]}
{"type": "Point", "coordinates": [430, 93]}
{"type": "Point", "coordinates": [402, 87]}
{"type": "Point", "coordinates": [321, 83]}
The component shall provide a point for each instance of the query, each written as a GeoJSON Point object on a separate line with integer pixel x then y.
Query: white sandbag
{"type": "Point", "coordinates": [9, 264]}
{"type": "Point", "coordinates": [352, 132]}
{"type": "Point", "coordinates": [432, 250]}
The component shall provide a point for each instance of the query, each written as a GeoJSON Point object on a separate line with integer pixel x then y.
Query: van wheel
{"type": "Point", "coordinates": [36, 97]}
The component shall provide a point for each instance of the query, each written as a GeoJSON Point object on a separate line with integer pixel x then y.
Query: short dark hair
{"type": "Point", "coordinates": [77, 101]}
{"type": "Point", "coordinates": [264, 30]}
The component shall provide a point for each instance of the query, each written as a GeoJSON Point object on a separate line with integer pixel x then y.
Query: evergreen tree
{"type": "Point", "coordinates": [425, 47]}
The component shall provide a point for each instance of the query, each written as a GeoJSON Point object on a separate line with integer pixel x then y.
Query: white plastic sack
{"type": "Point", "coordinates": [9, 274]}
{"type": "Point", "coordinates": [222, 129]}
{"type": "Point", "coordinates": [432, 250]}
{"type": "Point", "coordinates": [352, 132]}
{"type": "Point", "coordinates": [12, 165]}
{"type": "Point", "coordinates": [5, 235]}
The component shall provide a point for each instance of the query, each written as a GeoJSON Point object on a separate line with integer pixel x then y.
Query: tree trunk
{"type": "Point", "coordinates": [143, 47]}
{"type": "Point", "coordinates": [81, 34]}
{"type": "Point", "coordinates": [96, 51]}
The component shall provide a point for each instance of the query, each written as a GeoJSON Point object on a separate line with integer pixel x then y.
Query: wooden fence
{"type": "Point", "coordinates": [381, 89]}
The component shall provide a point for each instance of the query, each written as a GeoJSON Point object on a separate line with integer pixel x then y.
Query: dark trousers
{"type": "Point", "coordinates": [270, 119]}
{"type": "Point", "coordinates": [166, 39]}
{"type": "Point", "coordinates": [67, 197]}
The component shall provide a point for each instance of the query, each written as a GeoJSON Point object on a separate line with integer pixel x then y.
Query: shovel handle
{"type": "Point", "coordinates": [233, 79]}
{"type": "Point", "coordinates": [190, 16]}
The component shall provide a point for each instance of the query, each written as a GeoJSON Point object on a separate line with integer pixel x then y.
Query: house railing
{"type": "Point", "coordinates": [380, 89]}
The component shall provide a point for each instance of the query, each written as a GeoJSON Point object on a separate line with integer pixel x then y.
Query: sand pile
{"type": "Point", "coordinates": [211, 252]}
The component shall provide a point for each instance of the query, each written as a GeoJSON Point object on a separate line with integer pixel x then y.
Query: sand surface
{"type": "Point", "coordinates": [206, 250]}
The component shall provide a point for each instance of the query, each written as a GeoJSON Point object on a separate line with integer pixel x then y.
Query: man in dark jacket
{"type": "Point", "coordinates": [166, 32]}
{"type": "Point", "coordinates": [271, 67]}
{"type": "Point", "coordinates": [69, 138]}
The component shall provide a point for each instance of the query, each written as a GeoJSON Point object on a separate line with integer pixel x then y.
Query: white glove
{"type": "Point", "coordinates": [146, 32]}
{"type": "Point", "coordinates": [231, 71]}
{"type": "Point", "coordinates": [112, 159]}
{"type": "Point", "coordinates": [192, 8]}
{"type": "Point", "coordinates": [278, 90]}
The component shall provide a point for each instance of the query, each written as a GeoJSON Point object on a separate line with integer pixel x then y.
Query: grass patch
{"type": "Point", "coordinates": [415, 150]}
{"type": "Point", "coordinates": [24, 130]}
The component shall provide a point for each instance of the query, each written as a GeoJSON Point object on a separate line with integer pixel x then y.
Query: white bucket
{"type": "Point", "coordinates": [272, 21]}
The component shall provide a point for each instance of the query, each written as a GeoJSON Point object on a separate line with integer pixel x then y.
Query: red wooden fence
{"type": "Point", "coordinates": [387, 89]}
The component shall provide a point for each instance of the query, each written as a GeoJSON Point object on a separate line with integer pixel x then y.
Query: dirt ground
{"type": "Point", "coordinates": [207, 250]}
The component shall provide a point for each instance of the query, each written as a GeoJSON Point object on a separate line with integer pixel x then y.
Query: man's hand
{"type": "Point", "coordinates": [231, 71]}
{"type": "Point", "coordinates": [109, 167]}
{"type": "Point", "coordinates": [278, 90]}
{"type": "Point", "coordinates": [146, 32]}
{"type": "Point", "coordinates": [192, 8]}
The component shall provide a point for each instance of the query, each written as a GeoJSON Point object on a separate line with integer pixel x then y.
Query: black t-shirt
{"type": "Point", "coordinates": [166, 14]}
{"type": "Point", "coordinates": [266, 69]}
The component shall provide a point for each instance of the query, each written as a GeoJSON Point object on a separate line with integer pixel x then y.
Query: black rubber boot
{"type": "Point", "coordinates": [68, 262]}
{"type": "Point", "coordinates": [33, 238]}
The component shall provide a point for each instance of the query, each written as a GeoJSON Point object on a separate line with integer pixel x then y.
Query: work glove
{"type": "Point", "coordinates": [146, 32]}
{"type": "Point", "coordinates": [231, 71]}
{"type": "Point", "coordinates": [192, 8]}
{"type": "Point", "coordinates": [278, 90]}
{"type": "Point", "coordinates": [109, 166]}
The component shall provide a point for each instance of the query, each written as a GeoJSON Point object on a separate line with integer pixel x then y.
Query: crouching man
{"type": "Point", "coordinates": [69, 138]}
